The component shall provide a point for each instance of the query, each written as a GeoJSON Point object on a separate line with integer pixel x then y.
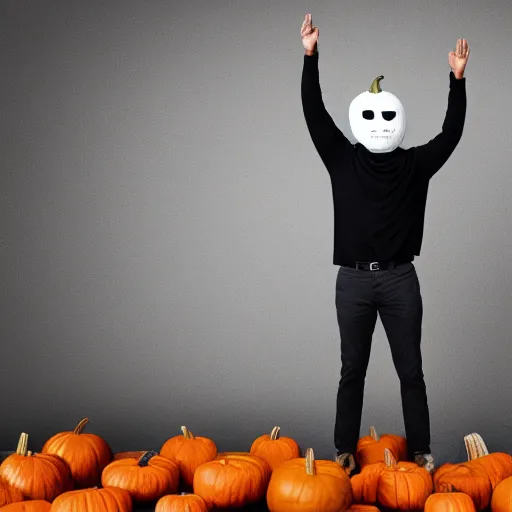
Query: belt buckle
{"type": "Point", "coordinates": [374, 265]}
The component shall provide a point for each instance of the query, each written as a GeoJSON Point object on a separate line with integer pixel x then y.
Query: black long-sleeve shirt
{"type": "Point", "coordinates": [379, 198]}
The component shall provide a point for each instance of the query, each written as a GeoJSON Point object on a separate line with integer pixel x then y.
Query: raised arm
{"type": "Point", "coordinates": [326, 136]}
{"type": "Point", "coordinates": [433, 155]}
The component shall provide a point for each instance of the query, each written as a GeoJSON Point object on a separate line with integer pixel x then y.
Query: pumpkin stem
{"type": "Point", "coordinates": [186, 433]}
{"type": "Point", "coordinates": [310, 462]}
{"type": "Point", "coordinates": [375, 87]}
{"type": "Point", "coordinates": [144, 459]}
{"type": "Point", "coordinates": [22, 445]}
{"type": "Point", "coordinates": [80, 427]}
{"type": "Point", "coordinates": [373, 434]}
{"type": "Point", "coordinates": [475, 446]}
{"type": "Point", "coordinates": [389, 460]}
{"type": "Point", "coordinates": [274, 435]}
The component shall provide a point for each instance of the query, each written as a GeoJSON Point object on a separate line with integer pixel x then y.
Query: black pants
{"type": "Point", "coordinates": [395, 295]}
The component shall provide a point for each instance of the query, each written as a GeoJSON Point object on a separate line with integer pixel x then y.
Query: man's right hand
{"type": "Point", "coordinates": [309, 34]}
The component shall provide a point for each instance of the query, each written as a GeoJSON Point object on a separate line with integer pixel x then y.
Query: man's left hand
{"type": "Point", "coordinates": [459, 58]}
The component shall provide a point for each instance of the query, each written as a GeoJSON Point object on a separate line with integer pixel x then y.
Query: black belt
{"type": "Point", "coordinates": [374, 266]}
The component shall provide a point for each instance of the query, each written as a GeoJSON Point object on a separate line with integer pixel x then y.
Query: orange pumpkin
{"type": "Point", "coordinates": [275, 449]}
{"type": "Point", "coordinates": [109, 499]}
{"type": "Point", "coordinates": [28, 506]}
{"type": "Point", "coordinates": [147, 478]}
{"type": "Point", "coordinates": [232, 481]}
{"type": "Point", "coordinates": [9, 494]}
{"type": "Point", "coordinates": [129, 455]}
{"type": "Point", "coordinates": [361, 507]}
{"type": "Point", "coordinates": [86, 454]}
{"type": "Point", "coordinates": [189, 452]}
{"type": "Point", "coordinates": [303, 484]}
{"type": "Point", "coordinates": [479, 476]}
{"type": "Point", "coordinates": [184, 502]}
{"type": "Point", "coordinates": [370, 449]}
{"type": "Point", "coordinates": [366, 483]}
{"type": "Point", "coordinates": [404, 486]}
{"type": "Point", "coordinates": [501, 500]}
{"type": "Point", "coordinates": [449, 502]}
{"type": "Point", "coordinates": [40, 476]}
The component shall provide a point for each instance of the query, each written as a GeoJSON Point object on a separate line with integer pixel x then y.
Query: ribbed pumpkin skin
{"type": "Point", "coordinates": [502, 497]}
{"type": "Point", "coordinates": [232, 481]}
{"type": "Point", "coordinates": [39, 477]}
{"type": "Point", "coordinates": [98, 500]}
{"type": "Point", "coordinates": [185, 502]}
{"type": "Point", "coordinates": [9, 494]}
{"type": "Point", "coordinates": [292, 489]}
{"type": "Point", "coordinates": [370, 450]}
{"type": "Point", "coordinates": [189, 452]}
{"type": "Point", "coordinates": [404, 486]}
{"type": "Point", "coordinates": [449, 502]}
{"type": "Point", "coordinates": [146, 479]}
{"type": "Point", "coordinates": [28, 506]}
{"type": "Point", "coordinates": [275, 449]}
{"type": "Point", "coordinates": [86, 454]}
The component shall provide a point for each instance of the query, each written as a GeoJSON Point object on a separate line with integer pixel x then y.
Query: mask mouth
{"type": "Point", "coordinates": [380, 136]}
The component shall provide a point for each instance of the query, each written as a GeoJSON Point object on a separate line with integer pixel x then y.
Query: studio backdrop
{"type": "Point", "coordinates": [167, 225]}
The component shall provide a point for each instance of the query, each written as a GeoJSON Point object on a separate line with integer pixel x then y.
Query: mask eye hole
{"type": "Point", "coordinates": [368, 114]}
{"type": "Point", "coordinates": [388, 115]}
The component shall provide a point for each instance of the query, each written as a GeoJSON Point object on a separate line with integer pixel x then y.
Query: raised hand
{"type": "Point", "coordinates": [309, 34]}
{"type": "Point", "coordinates": [459, 58]}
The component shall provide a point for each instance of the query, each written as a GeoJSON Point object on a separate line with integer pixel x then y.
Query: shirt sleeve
{"type": "Point", "coordinates": [434, 154]}
{"type": "Point", "coordinates": [326, 136]}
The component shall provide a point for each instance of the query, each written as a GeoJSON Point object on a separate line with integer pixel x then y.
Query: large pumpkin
{"type": "Point", "coordinates": [184, 502]}
{"type": "Point", "coordinates": [189, 452]}
{"type": "Point", "coordinates": [404, 486]}
{"type": "Point", "coordinates": [28, 506]}
{"type": "Point", "coordinates": [479, 476]}
{"type": "Point", "coordinates": [232, 481]}
{"type": "Point", "coordinates": [109, 499]}
{"type": "Point", "coordinates": [501, 500]}
{"type": "Point", "coordinates": [40, 476]}
{"type": "Point", "coordinates": [303, 484]}
{"type": "Point", "coordinates": [9, 494]}
{"type": "Point", "coordinates": [370, 448]}
{"type": "Point", "coordinates": [86, 454]}
{"type": "Point", "coordinates": [147, 478]}
{"type": "Point", "coordinates": [449, 502]}
{"type": "Point", "coordinates": [275, 449]}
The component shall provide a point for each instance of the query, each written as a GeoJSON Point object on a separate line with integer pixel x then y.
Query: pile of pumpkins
{"type": "Point", "coordinates": [77, 471]}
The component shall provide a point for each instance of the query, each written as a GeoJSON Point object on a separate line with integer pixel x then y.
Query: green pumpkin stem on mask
{"type": "Point", "coordinates": [375, 87]}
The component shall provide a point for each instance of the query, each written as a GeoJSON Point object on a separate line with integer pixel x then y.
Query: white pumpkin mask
{"type": "Point", "coordinates": [377, 119]}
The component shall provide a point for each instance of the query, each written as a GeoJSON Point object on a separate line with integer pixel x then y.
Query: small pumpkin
{"type": "Point", "coordinates": [184, 502]}
{"type": "Point", "coordinates": [147, 478]}
{"type": "Point", "coordinates": [449, 502]}
{"type": "Point", "coordinates": [9, 494]}
{"type": "Point", "coordinates": [109, 499]}
{"type": "Point", "coordinates": [129, 455]}
{"type": "Point", "coordinates": [39, 476]}
{"type": "Point", "coordinates": [28, 506]}
{"type": "Point", "coordinates": [189, 452]}
{"type": "Point", "coordinates": [274, 448]}
{"type": "Point", "coordinates": [86, 454]}
{"type": "Point", "coordinates": [303, 484]}
{"type": "Point", "coordinates": [404, 486]}
{"type": "Point", "coordinates": [370, 448]}
{"type": "Point", "coordinates": [501, 500]}
{"type": "Point", "coordinates": [232, 481]}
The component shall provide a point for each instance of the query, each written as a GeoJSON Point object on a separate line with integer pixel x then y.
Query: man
{"type": "Point", "coordinates": [379, 193]}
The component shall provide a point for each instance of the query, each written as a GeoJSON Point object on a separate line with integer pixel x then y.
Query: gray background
{"type": "Point", "coordinates": [167, 224]}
